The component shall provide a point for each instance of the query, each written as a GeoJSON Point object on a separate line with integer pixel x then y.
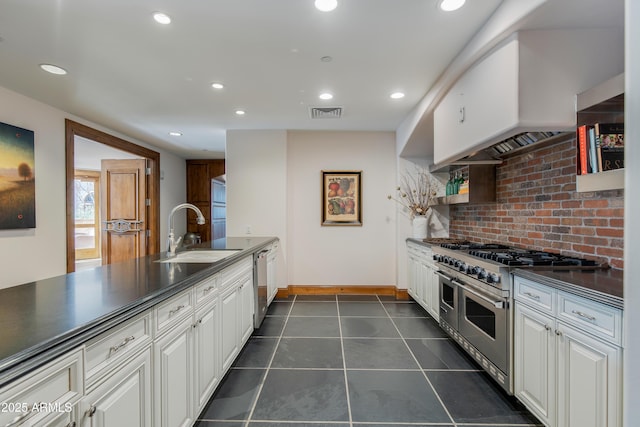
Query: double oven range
{"type": "Point", "coordinates": [476, 298]}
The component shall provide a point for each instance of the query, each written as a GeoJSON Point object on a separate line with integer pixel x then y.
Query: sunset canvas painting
{"type": "Point", "coordinates": [17, 178]}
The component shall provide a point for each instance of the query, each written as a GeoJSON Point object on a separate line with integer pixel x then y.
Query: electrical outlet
{"type": "Point", "coordinates": [247, 229]}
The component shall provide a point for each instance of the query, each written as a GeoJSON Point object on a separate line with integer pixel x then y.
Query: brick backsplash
{"type": "Point", "coordinates": [538, 208]}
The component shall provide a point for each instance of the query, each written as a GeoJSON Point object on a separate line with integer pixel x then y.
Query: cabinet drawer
{"type": "Point", "coordinates": [601, 320]}
{"type": "Point", "coordinates": [171, 311]}
{"type": "Point", "coordinates": [539, 296]}
{"type": "Point", "coordinates": [44, 394]}
{"type": "Point", "coordinates": [109, 349]}
{"type": "Point", "coordinates": [206, 289]}
{"type": "Point", "coordinates": [231, 274]}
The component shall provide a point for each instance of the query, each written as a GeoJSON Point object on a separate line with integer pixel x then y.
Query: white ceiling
{"type": "Point", "coordinates": [130, 74]}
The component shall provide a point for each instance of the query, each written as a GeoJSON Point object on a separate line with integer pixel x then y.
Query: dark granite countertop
{"type": "Point", "coordinates": [605, 286]}
{"type": "Point", "coordinates": [43, 319]}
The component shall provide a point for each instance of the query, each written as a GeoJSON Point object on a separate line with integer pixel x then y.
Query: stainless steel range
{"type": "Point", "coordinates": [476, 298]}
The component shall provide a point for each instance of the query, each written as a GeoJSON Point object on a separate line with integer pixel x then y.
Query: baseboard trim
{"type": "Point", "coordinates": [399, 294]}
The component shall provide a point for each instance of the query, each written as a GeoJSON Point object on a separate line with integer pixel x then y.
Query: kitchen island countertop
{"type": "Point", "coordinates": [45, 318]}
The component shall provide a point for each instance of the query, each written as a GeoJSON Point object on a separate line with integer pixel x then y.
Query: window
{"type": "Point", "coordinates": [87, 214]}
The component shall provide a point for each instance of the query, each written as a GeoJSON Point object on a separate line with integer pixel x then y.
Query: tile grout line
{"type": "Point", "coordinates": [419, 366]}
{"type": "Point", "coordinates": [344, 364]}
{"type": "Point", "coordinates": [266, 373]}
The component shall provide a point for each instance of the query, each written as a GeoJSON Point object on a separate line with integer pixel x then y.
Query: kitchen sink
{"type": "Point", "coordinates": [199, 256]}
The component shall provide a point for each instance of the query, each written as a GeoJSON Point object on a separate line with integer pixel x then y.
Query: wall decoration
{"type": "Point", "coordinates": [17, 178]}
{"type": "Point", "coordinates": [341, 198]}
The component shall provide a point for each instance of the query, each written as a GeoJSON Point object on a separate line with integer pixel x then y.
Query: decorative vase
{"type": "Point", "coordinates": [419, 227]}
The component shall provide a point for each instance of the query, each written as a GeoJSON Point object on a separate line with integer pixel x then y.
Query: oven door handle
{"type": "Point", "coordinates": [493, 302]}
{"type": "Point", "coordinates": [444, 276]}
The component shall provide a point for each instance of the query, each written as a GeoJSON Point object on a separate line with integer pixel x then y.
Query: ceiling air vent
{"type": "Point", "coordinates": [325, 112]}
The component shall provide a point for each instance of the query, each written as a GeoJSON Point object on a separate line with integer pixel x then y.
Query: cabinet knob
{"type": "Point", "coordinates": [558, 332]}
{"type": "Point", "coordinates": [461, 116]}
{"type": "Point", "coordinates": [547, 327]}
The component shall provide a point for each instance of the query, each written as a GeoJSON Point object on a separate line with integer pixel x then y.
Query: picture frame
{"type": "Point", "coordinates": [341, 202]}
{"type": "Point", "coordinates": [17, 178]}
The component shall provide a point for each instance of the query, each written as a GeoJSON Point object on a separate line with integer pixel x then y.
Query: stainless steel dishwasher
{"type": "Point", "coordinates": [260, 287]}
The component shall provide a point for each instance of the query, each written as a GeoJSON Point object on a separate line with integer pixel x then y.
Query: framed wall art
{"type": "Point", "coordinates": [17, 178]}
{"type": "Point", "coordinates": [341, 198]}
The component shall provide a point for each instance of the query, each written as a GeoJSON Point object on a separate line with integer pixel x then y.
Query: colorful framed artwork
{"type": "Point", "coordinates": [341, 198]}
{"type": "Point", "coordinates": [17, 178]}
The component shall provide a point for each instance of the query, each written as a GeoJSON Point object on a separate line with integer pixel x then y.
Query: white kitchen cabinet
{"type": "Point", "coordinates": [206, 354]}
{"type": "Point", "coordinates": [534, 362]}
{"type": "Point", "coordinates": [65, 419]}
{"type": "Point", "coordinates": [245, 290]}
{"type": "Point", "coordinates": [173, 375]}
{"type": "Point", "coordinates": [45, 394]}
{"type": "Point", "coordinates": [567, 357]}
{"type": "Point", "coordinates": [433, 291]}
{"type": "Point", "coordinates": [236, 308]}
{"type": "Point", "coordinates": [589, 380]}
{"type": "Point", "coordinates": [422, 279]}
{"type": "Point", "coordinates": [527, 83]}
{"type": "Point", "coordinates": [272, 272]}
{"type": "Point", "coordinates": [124, 398]}
{"type": "Point", "coordinates": [412, 274]}
{"type": "Point", "coordinates": [230, 319]}
{"type": "Point", "coordinates": [109, 350]}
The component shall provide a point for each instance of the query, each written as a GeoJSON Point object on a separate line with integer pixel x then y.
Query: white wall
{"type": "Point", "coordinates": [631, 394]}
{"type": "Point", "coordinates": [47, 242]}
{"type": "Point", "coordinates": [341, 255]}
{"type": "Point", "coordinates": [256, 176]}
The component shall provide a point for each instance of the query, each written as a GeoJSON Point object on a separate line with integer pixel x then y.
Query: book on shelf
{"type": "Point", "coordinates": [582, 150]}
{"type": "Point", "coordinates": [610, 139]}
{"type": "Point", "coordinates": [600, 147]}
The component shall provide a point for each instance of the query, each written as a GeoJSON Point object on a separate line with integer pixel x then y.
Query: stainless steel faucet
{"type": "Point", "coordinates": [173, 242]}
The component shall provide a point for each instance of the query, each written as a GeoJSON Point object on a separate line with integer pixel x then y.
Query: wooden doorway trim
{"type": "Point", "coordinates": [73, 129]}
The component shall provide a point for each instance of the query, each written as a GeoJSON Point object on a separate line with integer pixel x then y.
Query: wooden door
{"type": "Point", "coordinates": [124, 210]}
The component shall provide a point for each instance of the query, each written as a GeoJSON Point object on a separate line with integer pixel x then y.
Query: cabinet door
{"type": "Point", "coordinates": [59, 384]}
{"type": "Point", "coordinates": [433, 289]}
{"type": "Point", "coordinates": [589, 383]}
{"type": "Point", "coordinates": [413, 278]}
{"type": "Point", "coordinates": [534, 362]}
{"type": "Point", "coordinates": [206, 353]}
{"type": "Point", "coordinates": [173, 377]}
{"type": "Point", "coordinates": [423, 293]}
{"type": "Point", "coordinates": [272, 275]}
{"type": "Point", "coordinates": [123, 399]}
{"type": "Point", "coordinates": [230, 321]}
{"type": "Point", "coordinates": [246, 308]}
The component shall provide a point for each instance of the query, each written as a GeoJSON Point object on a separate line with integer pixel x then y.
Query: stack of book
{"type": "Point", "coordinates": [600, 147]}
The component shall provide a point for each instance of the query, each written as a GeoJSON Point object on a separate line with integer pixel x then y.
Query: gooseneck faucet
{"type": "Point", "coordinates": [173, 242]}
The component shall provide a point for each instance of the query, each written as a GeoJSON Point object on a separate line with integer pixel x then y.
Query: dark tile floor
{"type": "Point", "coordinates": [356, 361]}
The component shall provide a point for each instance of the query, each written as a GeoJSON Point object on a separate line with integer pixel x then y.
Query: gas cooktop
{"type": "Point", "coordinates": [517, 257]}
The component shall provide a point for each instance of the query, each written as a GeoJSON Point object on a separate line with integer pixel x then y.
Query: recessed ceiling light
{"type": "Point", "coordinates": [240, 112]}
{"type": "Point", "coordinates": [325, 95]}
{"type": "Point", "coordinates": [162, 18]}
{"type": "Point", "coordinates": [451, 5]}
{"type": "Point", "coordinates": [53, 69]}
{"type": "Point", "coordinates": [217, 85]}
{"type": "Point", "coordinates": [397, 95]}
{"type": "Point", "coordinates": [326, 59]}
{"type": "Point", "coordinates": [175, 133]}
{"type": "Point", "coordinates": [326, 5]}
